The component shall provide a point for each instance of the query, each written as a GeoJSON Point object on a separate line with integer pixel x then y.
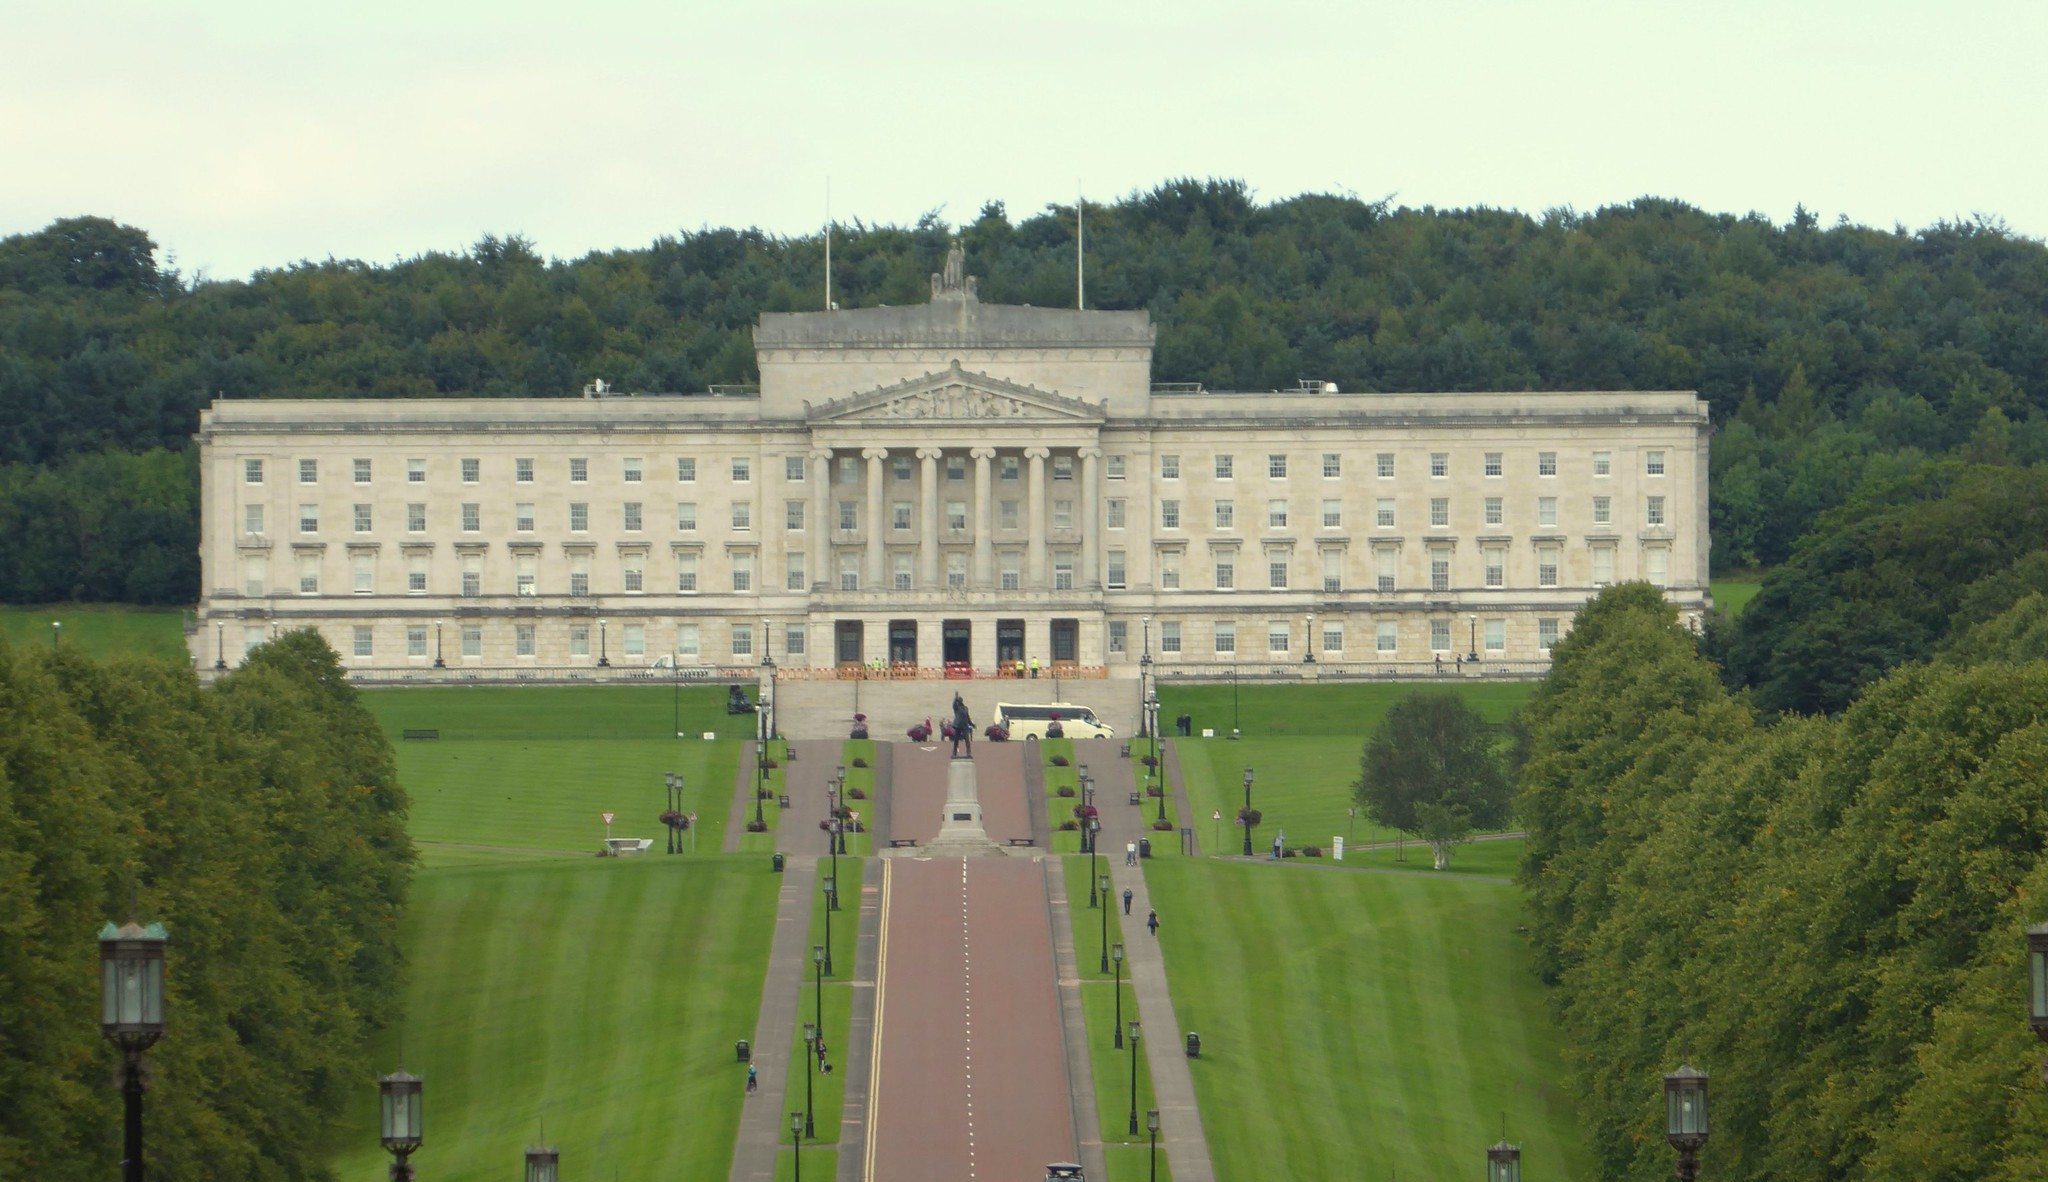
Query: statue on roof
{"type": "Point", "coordinates": [955, 277]}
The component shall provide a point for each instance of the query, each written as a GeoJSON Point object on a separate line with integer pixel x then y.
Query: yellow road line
{"type": "Point", "coordinates": [875, 1052]}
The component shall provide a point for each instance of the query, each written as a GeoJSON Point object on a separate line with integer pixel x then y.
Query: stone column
{"type": "Point", "coordinates": [1034, 522]}
{"type": "Point", "coordinates": [984, 520]}
{"type": "Point", "coordinates": [876, 576]}
{"type": "Point", "coordinates": [821, 518]}
{"type": "Point", "coordinates": [928, 547]}
{"type": "Point", "coordinates": [1090, 515]}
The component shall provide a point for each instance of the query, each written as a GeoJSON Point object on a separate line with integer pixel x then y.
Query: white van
{"type": "Point", "coordinates": [1029, 720]}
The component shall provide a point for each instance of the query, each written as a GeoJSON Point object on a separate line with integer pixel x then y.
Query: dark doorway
{"type": "Point", "coordinates": [1009, 643]}
{"type": "Point", "coordinates": [957, 637]}
{"type": "Point", "coordinates": [1066, 641]}
{"type": "Point", "coordinates": [903, 642]}
{"type": "Point", "coordinates": [846, 636]}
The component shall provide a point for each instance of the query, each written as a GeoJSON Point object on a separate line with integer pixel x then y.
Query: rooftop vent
{"type": "Point", "coordinates": [1314, 386]}
{"type": "Point", "coordinates": [597, 388]}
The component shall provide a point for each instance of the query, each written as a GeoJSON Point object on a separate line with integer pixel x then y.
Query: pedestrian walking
{"type": "Point", "coordinates": [1130, 853]}
{"type": "Point", "coordinates": [1127, 900]}
{"type": "Point", "coordinates": [1152, 921]}
{"type": "Point", "coordinates": [753, 1080]}
{"type": "Point", "coordinates": [1276, 848]}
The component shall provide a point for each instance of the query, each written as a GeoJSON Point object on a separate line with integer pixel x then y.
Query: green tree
{"type": "Point", "coordinates": [1430, 769]}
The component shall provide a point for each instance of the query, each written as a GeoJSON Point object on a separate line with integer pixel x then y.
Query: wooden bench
{"type": "Point", "coordinates": [782, 801]}
{"type": "Point", "coordinates": [1020, 841]}
{"type": "Point", "coordinates": [1135, 799]}
{"type": "Point", "coordinates": [421, 734]}
{"type": "Point", "coordinates": [897, 843]}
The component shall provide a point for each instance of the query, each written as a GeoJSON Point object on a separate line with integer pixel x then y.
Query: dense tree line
{"type": "Point", "coordinates": [1831, 355]}
{"type": "Point", "coordinates": [1825, 913]}
{"type": "Point", "coordinates": [262, 822]}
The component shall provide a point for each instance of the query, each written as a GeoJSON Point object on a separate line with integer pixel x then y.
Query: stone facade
{"type": "Point", "coordinates": [954, 483]}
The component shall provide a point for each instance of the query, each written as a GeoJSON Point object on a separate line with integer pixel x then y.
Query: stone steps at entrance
{"type": "Point", "coordinates": [825, 709]}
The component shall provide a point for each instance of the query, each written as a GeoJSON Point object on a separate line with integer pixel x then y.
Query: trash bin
{"type": "Point", "coordinates": [1194, 1045]}
{"type": "Point", "coordinates": [745, 1051]}
{"type": "Point", "coordinates": [1144, 847]}
{"type": "Point", "coordinates": [776, 860]}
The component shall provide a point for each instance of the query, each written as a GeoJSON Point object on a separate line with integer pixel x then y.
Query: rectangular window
{"type": "Point", "coordinates": [364, 637]}
{"type": "Point", "coordinates": [1546, 463]}
{"type": "Point", "coordinates": [742, 469]}
{"type": "Point", "coordinates": [1495, 633]}
{"type": "Point", "coordinates": [472, 471]}
{"type": "Point", "coordinates": [1603, 565]}
{"type": "Point", "coordinates": [1385, 566]}
{"type": "Point", "coordinates": [363, 573]}
{"type": "Point", "coordinates": [579, 640]}
{"type": "Point", "coordinates": [472, 575]}
{"type": "Point", "coordinates": [849, 572]}
{"type": "Point", "coordinates": [1496, 566]}
{"type": "Point", "coordinates": [579, 575]}
{"type": "Point", "coordinates": [579, 471]}
{"type": "Point", "coordinates": [793, 469]}
{"type": "Point", "coordinates": [309, 519]}
{"type": "Point", "coordinates": [956, 467]}
{"type": "Point", "coordinates": [1169, 570]}
{"type": "Point", "coordinates": [1439, 464]}
{"type": "Point", "coordinates": [1276, 571]}
{"type": "Point", "coordinates": [1386, 638]}
{"type": "Point", "coordinates": [635, 642]}
{"type": "Point", "coordinates": [1113, 467]}
{"type": "Point", "coordinates": [1226, 570]}
{"type": "Point", "coordinates": [1226, 638]}
{"type": "Point", "coordinates": [849, 470]}
{"type": "Point", "coordinates": [415, 471]}
{"type": "Point", "coordinates": [742, 571]}
{"type": "Point", "coordinates": [1226, 515]}
{"type": "Point", "coordinates": [1115, 567]}
{"type": "Point", "coordinates": [1063, 570]}
{"type": "Point", "coordinates": [1494, 513]}
{"type": "Point", "coordinates": [522, 470]}
{"type": "Point", "coordinates": [1333, 465]}
{"type": "Point", "coordinates": [1063, 468]}
{"type": "Point", "coordinates": [522, 640]}
{"type": "Point", "coordinates": [1333, 514]}
{"type": "Point", "coordinates": [1119, 637]}
{"type": "Point", "coordinates": [1603, 510]}
{"type": "Point", "coordinates": [632, 574]}
{"type": "Point", "coordinates": [416, 517]}
{"type": "Point", "coordinates": [899, 467]}
{"type": "Point", "coordinates": [1169, 467]}
{"type": "Point", "coordinates": [1493, 465]}
{"type": "Point", "coordinates": [1333, 638]}
{"type": "Point", "coordinates": [1226, 467]}
{"type": "Point", "coordinates": [252, 519]}
{"type": "Point", "coordinates": [1383, 513]}
{"type": "Point", "coordinates": [255, 575]}
{"type": "Point", "coordinates": [849, 515]}
{"type": "Point", "coordinates": [956, 515]}
{"type": "Point", "coordinates": [1439, 570]}
{"type": "Point", "coordinates": [1546, 510]}
{"type": "Point", "coordinates": [1653, 463]}
{"type": "Point", "coordinates": [1010, 576]}
{"type": "Point", "coordinates": [1278, 638]}
{"type": "Point", "coordinates": [1546, 633]}
{"type": "Point", "coordinates": [686, 469]}
{"type": "Point", "coordinates": [687, 643]}
{"type": "Point", "coordinates": [1439, 512]}
{"type": "Point", "coordinates": [629, 469]}
{"type": "Point", "coordinates": [686, 573]}
{"type": "Point", "coordinates": [360, 469]}
{"type": "Point", "coordinates": [1546, 566]}
{"type": "Point", "coordinates": [522, 517]}
{"type": "Point", "coordinates": [472, 516]}
{"type": "Point", "coordinates": [629, 516]}
{"type": "Point", "coordinates": [1276, 514]}
{"type": "Point", "coordinates": [579, 516]}
{"type": "Point", "coordinates": [309, 574]}
{"type": "Point", "coordinates": [1383, 465]}
{"type": "Point", "coordinates": [1063, 514]}
{"type": "Point", "coordinates": [793, 639]}
{"type": "Point", "coordinates": [416, 576]}
{"type": "Point", "coordinates": [686, 517]}
{"type": "Point", "coordinates": [415, 642]}
{"type": "Point", "coordinates": [1010, 468]}
{"type": "Point", "coordinates": [1276, 467]}
{"type": "Point", "coordinates": [309, 471]}
{"type": "Point", "coordinates": [472, 641]}
{"type": "Point", "coordinates": [1169, 636]}
{"type": "Point", "coordinates": [1657, 566]}
{"type": "Point", "coordinates": [793, 516]}
{"type": "Point", "coordinates": [899, 516]}
{"type": "Point", "coordinates": [1603, 463]}
{"type": "Point", "coordinates": [1333, 570]}
{"type": "Point", "coordinates": [1653, 511]}
{"type": "Point", "coordinates": [252, 471]}
{"type": "Point", "coordinates": [362, 518]}
{"type": "Point", "coordinates": [1169, 514]}
{"type": "Point", "coordinates": [793, 572]}
{"type": "Point", "coordinates": [1113, 512]}
{"type": "Point", "coordinates": [900, 564]}
{"type": "Point", "coordinates": [956, 570]}
{"type": "Point", "coordinates": [742, 516]}
{"type": "Point", "coordinates": [1439, 636]}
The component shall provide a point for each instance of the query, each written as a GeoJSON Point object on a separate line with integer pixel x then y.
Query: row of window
{"type": "Point", "coordinates": [1490, 635]}
{"type": "Point", "coordinates": [1385, 515]}
{"type": "Point", "coordinates": [627, 640]}
{"type": "Point", "coordinates": [632, 470]}
{"type": "Point", "coordinates": [1279, 569]}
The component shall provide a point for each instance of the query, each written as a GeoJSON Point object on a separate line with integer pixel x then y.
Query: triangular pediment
{"type": "Point", "coordinates": [957, 395]}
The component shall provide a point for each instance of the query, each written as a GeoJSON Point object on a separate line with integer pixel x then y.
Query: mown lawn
{"type": "Point", "coordinates": [602, 996]}
{"type": "Point", "coordinates": [583, 712]}
{"type": "Point", "coordinates": [1349, 709]}
{"type": "Point", "coordinates": [1362, 1024]}
{"type": "Point", "coordinates": [1732, 595]}
{"type": "Point", "coordinates": [103, 630]}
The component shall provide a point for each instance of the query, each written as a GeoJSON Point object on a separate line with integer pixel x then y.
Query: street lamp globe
{"type": "Point", "coordinates": [818, 955]}
{"type": "Point", "coordinates": [1116, 953]}
{"type": "Point", "coordinates": [1685, 1109]}
{"type": "Point", "coordinates": [2037, 976]}
{"type": "Point", "coordinates": [1152, 1121]}
{"type": "Point", "coordinates": [400, 1092]}
{"type": "Point", "coordinates": [1504, 1163]}
{"type": "Point", "coordinates": [543, 1163]}
{"type": "Point", "coordinates": [132, 984]}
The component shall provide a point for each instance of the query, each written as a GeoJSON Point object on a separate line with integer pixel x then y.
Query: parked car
{"type": "Point", "coordinates": [1031, 720]}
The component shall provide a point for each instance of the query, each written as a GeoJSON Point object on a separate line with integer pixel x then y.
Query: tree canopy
{"type": "Point", "coordinates": [1430, 769]}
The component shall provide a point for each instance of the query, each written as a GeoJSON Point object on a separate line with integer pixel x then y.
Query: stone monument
{"type": "Point", "coordinates": [961, 833]}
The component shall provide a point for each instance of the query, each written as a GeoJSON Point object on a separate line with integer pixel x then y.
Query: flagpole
{"type": "Point", "coordinates": [828, 244]}
{"type": "Point", "coordinates": [1080, 249]}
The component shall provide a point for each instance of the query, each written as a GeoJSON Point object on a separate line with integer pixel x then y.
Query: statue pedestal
{"type": "Point", "coordinates": [961, 834]}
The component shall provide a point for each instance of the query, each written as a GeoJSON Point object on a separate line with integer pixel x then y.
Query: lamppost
{"type": "Point", "coordinates": [1247, 818]}
{"type": "Point", "coordinates": [220, 646]}
{"type": "Point", "coordinates": [1103, 882]}
{"type": "Point", "coordinates": [1134, 1034]}
{"type": "Point", "coordinates": [675, 805]}
{"type": "Point", "coordinates": [833, 833]}
{"type": "Point", "coordinates": [400, 1092]}
{"type": "Point", "coordinates": [1233, 689]}
{"type": "Point", "coordinates": [1116, 956]}
{"type": "Point", "coordinates": [56, 632]}
{"type": "Point", "coordinates": [1152, 1127]}
{"type": "Point", "coordinates": [1090, 827]}
{"type": "Point", "coordinates": [760, 783]}
{"type": "Point", "coordinates": [543, 1163]}
{"type": "Point", "coordinates": [1685, 1118]}
{"type": "Point", "coordinates": [132, 1017]}
{"type": "Point", "coordinates": [796, 1142]}
{"type": "Point", "coordinates": [768, 703]}
{"type": "Point", "coordinates": [2037, 995]}
{"type": "Point", "coordinates": [1157, 771]}
{"type": "Point", "coordinates": [1308, 640]}
{"type": "Point", "coordinates": [810, 1053]}
{"type": "Point", "coordinates": [438, 662]}
{"type": "Point", "coordinates": [818, 969]}
{"type": "Point", "coordinates": [675, 663]}
{"type": "Point", "coordinates": [604, 658]}
{"type": "Point", "coordinates": [1504, 1162]}
{"type": "Point", "coordinates": [1144, 675]}
{"type": "Point", "coordinates": [830, 888]}
{"type": "Point", "coordinates": [1473, 641]}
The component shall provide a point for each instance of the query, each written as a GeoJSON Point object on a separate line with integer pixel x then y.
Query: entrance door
{"type": "Point", "coordinates": [846, 641]}
{"type": "Point", "coordinates": [956, 639]}
{"type": "Point", "coordinates": [1066, 641]}
{"type": "Point", "coordinates": [903, 643]}
{"type": "Point", "coordinates": [1009, 643]}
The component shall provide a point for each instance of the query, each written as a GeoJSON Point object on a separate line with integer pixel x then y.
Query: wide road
{"type": "Point", "coordinates": [917, 789]}
{"type": "Point", "coordinates": [970, 1076]}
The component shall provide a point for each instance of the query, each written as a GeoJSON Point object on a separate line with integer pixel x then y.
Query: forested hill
{"type": "Point", "coordinates": [1829, 354]}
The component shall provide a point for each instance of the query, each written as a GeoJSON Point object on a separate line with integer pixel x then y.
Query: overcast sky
{"type": "Point", "coordinates": [246, 135]}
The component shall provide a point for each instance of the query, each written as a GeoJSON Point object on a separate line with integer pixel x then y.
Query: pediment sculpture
{"type": "Point", "coordinates": [950, 402]}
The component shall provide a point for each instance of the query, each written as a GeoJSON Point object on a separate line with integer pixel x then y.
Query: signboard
{"type": "Point", "coordinates": [608, 818]}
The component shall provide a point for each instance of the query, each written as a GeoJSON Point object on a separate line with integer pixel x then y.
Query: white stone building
{"type": "Point", "coordinates": [954, 483]}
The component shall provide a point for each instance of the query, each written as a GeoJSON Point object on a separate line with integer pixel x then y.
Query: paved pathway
{"type": "Point", "coordinates": [1080, 1068]}
{"type": "Point", "coordinates": [742, 800]}
{"type": "Point", "coordinates": [789, 962]}
{"type": "Point", "coordinates": [823, 709]}
{"type": "Point", "coordinates": [917, 789]}
{"type": "Point", "coordinates": [860, 1050]}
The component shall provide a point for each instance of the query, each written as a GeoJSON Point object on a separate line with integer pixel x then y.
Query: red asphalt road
{"type": "Point", "coordinates": [917, 789]}
{"type": "Point", "coordinates": [970, 1079]}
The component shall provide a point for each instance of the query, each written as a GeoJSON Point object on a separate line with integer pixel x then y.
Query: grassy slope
{"type": "Point", "coordinates": [600, 995]}
{"type": "Point", "coordinates": [105, 630]}
{"type": "Point", "coordinates": [1732, 595]}
{"type": "Point", "coordinates": [1361, 1024]}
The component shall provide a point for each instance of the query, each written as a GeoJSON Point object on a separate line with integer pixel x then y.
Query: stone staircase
{"type": "Point", "coordinates": [825, 709]}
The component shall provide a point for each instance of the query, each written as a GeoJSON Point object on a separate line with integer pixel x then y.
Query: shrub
{"type": "Point", "coordinates": [1150, 760]}
{"type": "Point", "coordinates": [1163, 826]}
{"type": "Point", "coordinates": [1085, 811]}
{"type": "Point", "coordinates": [770, 763]}
{"type": "Point", "coordinates": [860, 761]}
{"type": "Point", "coordinates": [1154, 790]}
{"type": "Point", "coordinates": [856, 794]}
{"type": "Point", "coordinates": [1250, 817]}
{"type": "Point", "coordinates": [1059, 761]}
{"type": "Point", "coordinates": [1064, 790]}
{"type": "Point", "coordinates": [757, 826]}
{"type": "Point", "coordinates": [675, 820]}
{"type": "Point", "coordinates": [997, 734]}
{"type": "Point", "coordinates": [1069, 826]}
{"type": "Point", "coordinates": [1311, 851]}
{"type": "Point", "coordinates": [919, 733]}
